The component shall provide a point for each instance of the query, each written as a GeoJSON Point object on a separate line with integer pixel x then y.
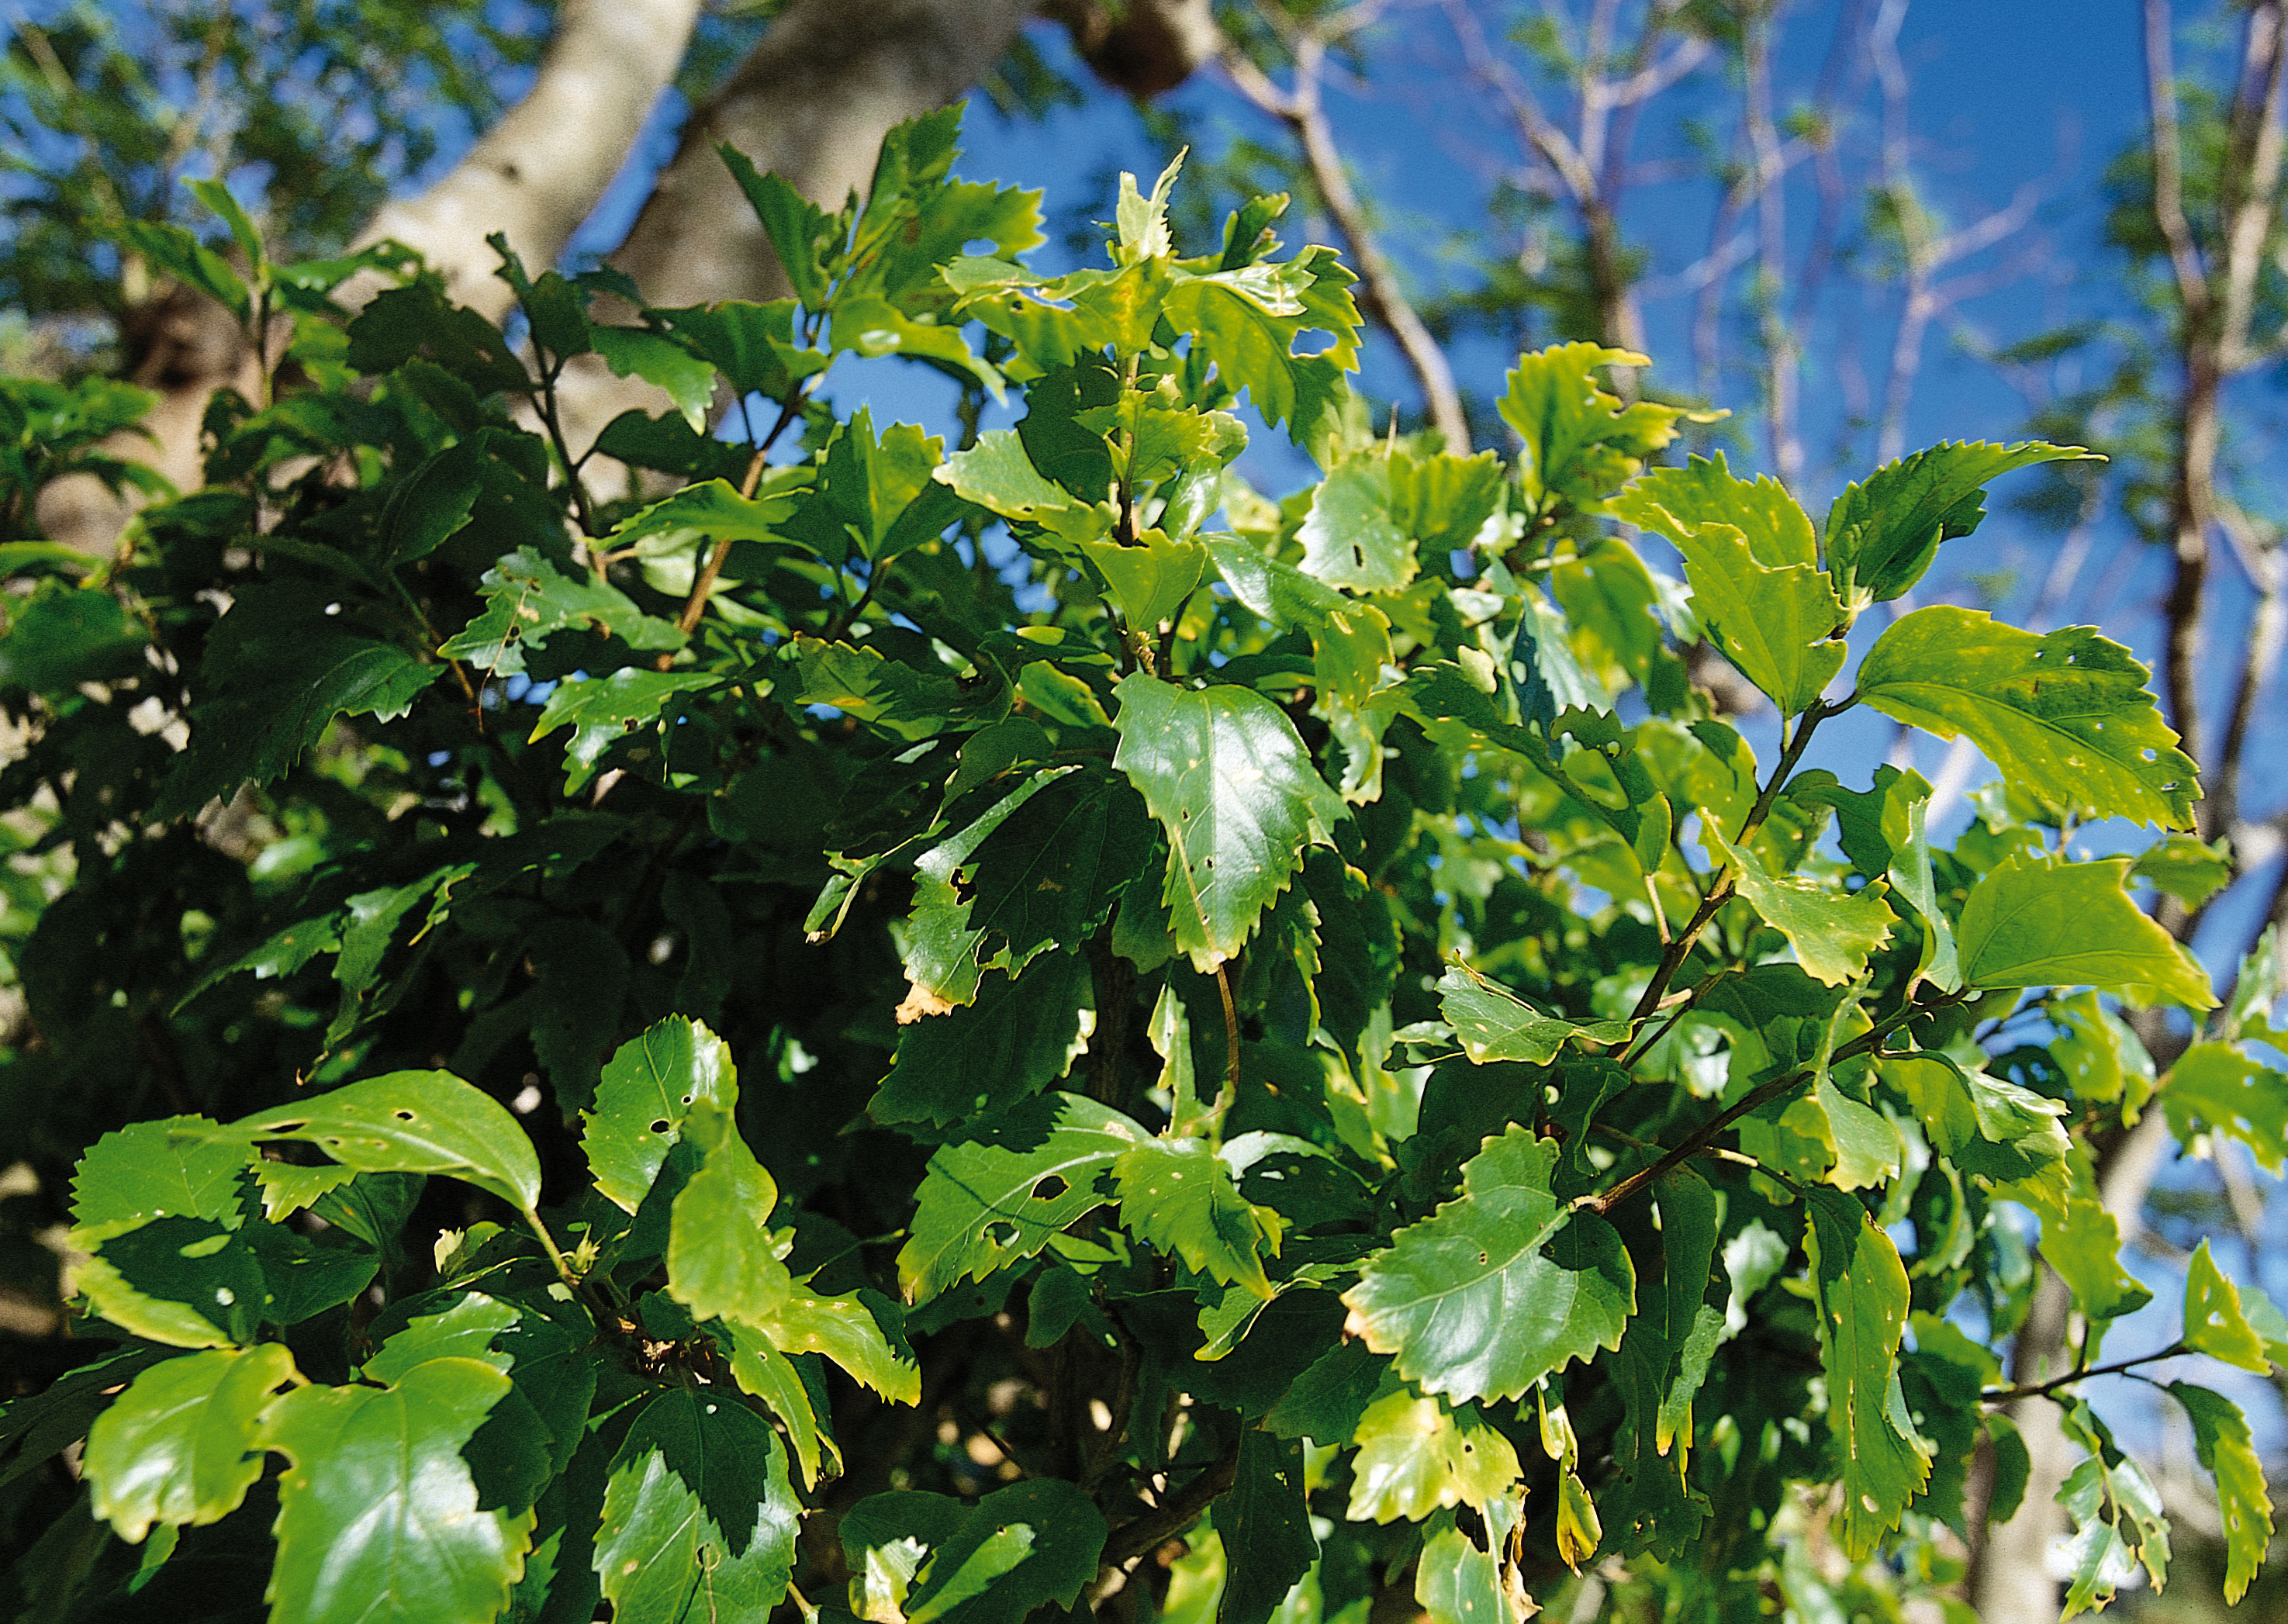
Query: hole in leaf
{"type": "Point", "coordinates": [1001, 1234]}
{"type": "Point", "coordinates": [660, 1126]}
{"type": "Point", "coordinates": [1049, 1188]}
{"type": "Point", "coordinates": [402, 1114]}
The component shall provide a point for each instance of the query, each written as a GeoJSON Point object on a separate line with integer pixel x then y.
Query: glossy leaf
{"type": "Point", "coordinates": [1416, 1456]}
{"type": "Point", "coordinates": [1501, 1288]}
{"type": "Point", "coordinates": [2214, 1324]}
{"type": "Point", "coordinates": [2066, 716]}
{"type": "Point", "coordinates": [1236, 794]}
{"type": "Point", "coordinates": [180, 1445]}
{"type": "Point", "coordinates": [409, 1122]}
{"type": "Point", "coordinates": [2034, 923]}
{"type": "Point", "coordinates": [1177, 1194]}
{"type": "Point", "coordinates": [1264, 1524]}
{"type": "Point", "coordinates": [527, 600]}
{"type": "Point", "coordinates": [1860, 1290]}
{"type": "Point", "coordinates": [378, 1517]}
{"type": "Point", "coordinates": [2222, 1445]}
{"type": "Point", "coordinates": [1493, 1023]}
{"type": "Point", "coordinates": [1882, 531]}
{"type": "Point", "coordinates": [722, 1260]}
{"type": "Point", "coordinates": [650, 1087]}
{"type": "Point", "coordinates": [2220, 1088]}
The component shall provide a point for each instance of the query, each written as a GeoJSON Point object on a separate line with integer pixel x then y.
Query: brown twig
{"type": "Point", "coordinates": [1133, 1538]}
{"type": "Point", "coordinates": [2042, 1389]}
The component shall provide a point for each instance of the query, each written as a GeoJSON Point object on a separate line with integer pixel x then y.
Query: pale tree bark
{"type": "Point", "coordinates": [535, 176]}
{"type": "Point", "coordinates": [539, 171]}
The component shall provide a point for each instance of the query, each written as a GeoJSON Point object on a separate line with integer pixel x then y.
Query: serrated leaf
{"type": "Point", "coordinates": [2221, 1443]}
{"type": "Point", "coordinates": [1016, 1037]}
{"type": "Point", "coordinates": [798, 229]}
{"type": "Point", "coordinates": [1755, 584]}
{"type": "Point", "coordinates": [430, 505]}
{"type": "Point", "coordinates": [996, 1196]}
{"type": "Point", "coordinates": [1860, 1290]}
{"type": "Point", "coordinates": [2190, 870]}
{"type": "Point", "coordinates": [270, 692]}
{"type": "Point", "coordinates": [648, 1090]}
{"type": "Point", "coordinates": [180, 1444]}
{"type": "Point", "coordinates": [2065, 715]}
{"type": "Point", "coordinates": [1493, 1023]}
{"type": "Point", "coordinates": [168, 1168]}
{"type": "Point", "coordinates": [1831, 930]}
{"type": "Point", "coordinates": [1264, 1524]}
{"type": "Point", "coordinates": [1500, 1288]}
{"type": "Point", "coordinates": [721, 1259]}
{"type": "Point", "coordinates": [2214, 1324]}
{"type": "Point", "coordinates": [636, 352]}
{"type": "Point", "coordinates": [2030, 923]}
{"type": "Point", "coordinates": [1349, 536]}
{"type": "Point", "coordinates": [753, 345]}
{"type": "Point", "coordinates": [603, 710]}
{"type": "Point", "coordinates": [1236, 793]}
{"type": "Point", "coordinates": [1177, 1195]}
{"type": "Point", "coordinates": [762, 1370]}
{"type": "Point", "coordinates": [849, 1330]}
{"type": "Point", "coordinates": [1415, 1456]}
{"type": "Point", "coordinates": [1249, 320]}
{"type": "Point", "coordinates": [377, 1515]}
{"type": "Point", "coordinates": [1883, 534]}
{"type": "Point", "coordinates": [2220, 1088]}
{"type": "Point", "coordinates": [288, 1189]}
{"type": "Point", "coordinates": [1580, 443]}
{"type": "Point", "coordinates": [1050, 873]}
{"type": "Point", "coordinates": [959, 1553]}
{"type": "Point", "coordinates": [713, 509]}
{"type": "Point", "coordinates": [699, 1519]}
{"type": "Point", "coordinates": [409, 1122]}
{"type": "Point", "coordinates": [528, 601]}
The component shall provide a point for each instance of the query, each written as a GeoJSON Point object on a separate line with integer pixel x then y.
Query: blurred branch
{"type": "Point", "coordinates": [1380, 293]}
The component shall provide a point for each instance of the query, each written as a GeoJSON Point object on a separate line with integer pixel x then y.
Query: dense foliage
{"type": "Point", "coordinates": [919, 1032]}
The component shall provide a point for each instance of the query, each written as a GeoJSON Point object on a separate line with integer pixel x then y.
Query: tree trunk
{"type": "Point", "coordinates": [539, 171]}
{"type": "Point", "coordinates": [812, 102]}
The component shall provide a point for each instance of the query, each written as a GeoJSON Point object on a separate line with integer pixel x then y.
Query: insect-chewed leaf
{"type": "Point", "coordinates": [527, 600]}
{"type": "Point", "coordinates": [1235, 791]}
{"type": "Point", "coordinates": [1498, 1288]}
{"type": "Point", "coordinates": [1860, 1288]}
{"type": "Point", "coordinates": [1179, 1196]}
{"type": "Point", "coordinates": [409, 1122]}
{"type": "Point", "coordinates": [1494, 1024]}
{"type": "Point", "coordinates": [1415, 1456]}
{"type": "Point", "coordinates": [2221, 1443]}
{"type": "Point", "coordinates": [698, 1518]}
{"type": "Point", "coordinates": [2214, 1323]}
{"type": "Point", "coordinates": [1264, 1524]}
{"type": "Point", "coordinates": [996, 1195]}
{"type": "Point", "coordinates": [2221, 1088]}
{"type": "Point", "coordinates": [722, 1260]}
{"type": "Point", "coordinates": [652, 1084]}
{"type": "Point", "coordinates": [2066, 715]}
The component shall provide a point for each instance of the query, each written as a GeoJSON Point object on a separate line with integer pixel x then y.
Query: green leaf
{"type": "Point", "coordinates": [1679, 501]}
{"type": "Point", "coordinates": [409, 1122]}
{"type": "Point", "coordinates": [1649, 1503]}
{"type": "Point", "coordinates": [274, 687]}
{"type": "Point", "coordinates": [1415, 1456]}
{"type": "Point", "coordinates": [1264, 1524]}
{"type": "Point", "coordinates": [603, 710]}
{"type": "Point", "coordinates": [432, 504]}
{"type": "Point", "coordinates": [798, 229]}
{"type": "Point", "coordinates": [1325, 1402]}
{"type": "Point", "coordinates": [1050, 873]}
{"type": "Point", "coordinates": [2030, 923]}
{"type": "Point", "coordinates": [761, 1369]}
{"type": "Point", "coordinates": [185, 258]}
{"type": "Point", "coordinates": [1775, 621]}
{"type": "Point", "coordinates": [378, 1514]}
{"type": "Point", "coordinates": [721, 1261]}
{"type": "Point", "coordinates": [1150, 580]}
{"type": "Point", "coordinates": [167, 1168]}
{"type": "Point", "coordinates": [1882, 534]}
{"type": "Point", "coordinates": [2190, 870]}
{"type": "Point", "coordinates": [651, 1086]}
{"type": "Point", "coordinates": [998, 1195]}
{"type": "Point", "coordinates": [2082, 1242]}
{"type": "Point", "coordinates": [180, 1444]}
{"type": "Point", "coordinates": [1235, 792]}
{"type": "Point", "coordinates": [851, 1331]}
{"type": "Point", "coordinates": [752, 345]}
{"type": "Point", "coordinates": [1349, 536]}
{"type": "Point", "coordinates": [2066, 717]}
{"type": "Point", "coordinates": [2214, 1324]}
{"type": "Point", "coordinates": [699, 1519]}
{"type": "Point", "coordinates": [1860, 1290]}
{"type": "Point", "coordinates": [1018, 1035]}
{"type": "Point", "coordinates": [1500, 1288]}
{"type": "Point", "coordinates": [972, 1565]}
{"type": "Point", "coordinates": [1580, 443]}
{"type": "Point", "coordinates": [635, 351]}
{"type": "Point", "coordinates": [997, 474]}
{"type": "Point", "coordinates": [2222, 1445]}
{"type": "Point", "coordinates": [713, 509]}
{"type": "Point", "coordinates": [465, 1327]}
{"type": "Point", "coordinates": [62, 638]}
{"type": "Point", "coordinates": [1249, 320]}
{"type": "Point", "coordinates": [1493, 1023]}
{"type": "Point", "coordinates": [2218, 1088]}
{"type": "Point", "coordinates": [1177, 1195]}
{"type": "Point", "coordinates": [1831, 930]}
{"type": "Point", "coordinates": [527, 602]}
{"type": "Point", "coordinates": [1456, 1582]}
{"type": "Point", "coordinates": [402, 324]}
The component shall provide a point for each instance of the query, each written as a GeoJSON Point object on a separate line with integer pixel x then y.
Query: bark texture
{"type": "Point", "coordinates": [812, 101]}
{"type": "Point", "coordinates": [539, 171]}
